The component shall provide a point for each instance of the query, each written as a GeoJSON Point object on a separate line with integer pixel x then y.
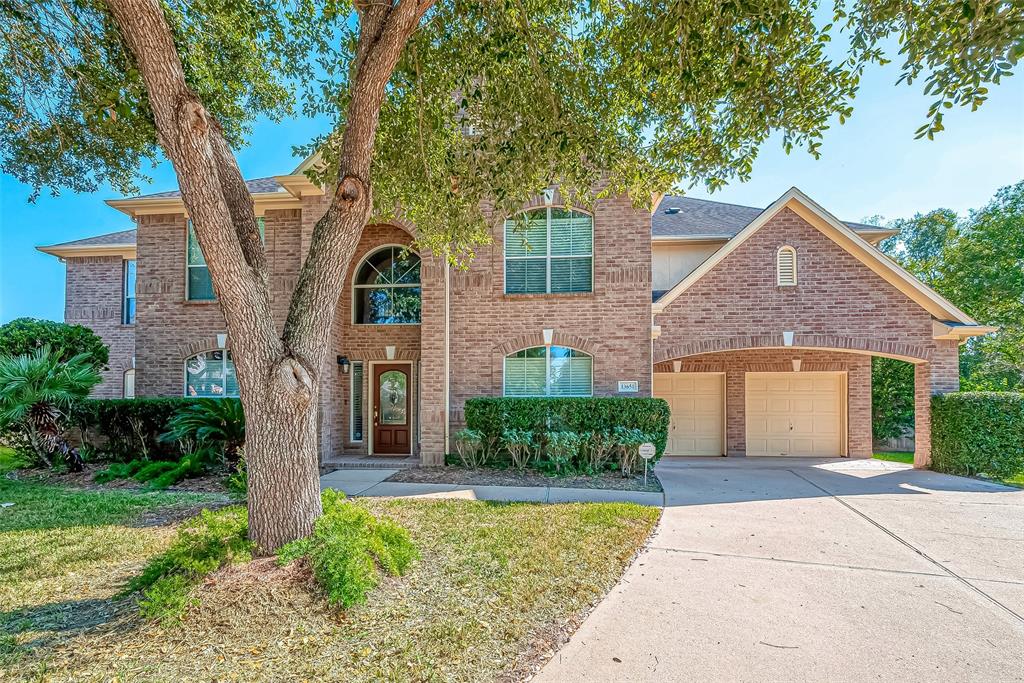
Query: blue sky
{"type": "Point", "coordinates": [872, 165]}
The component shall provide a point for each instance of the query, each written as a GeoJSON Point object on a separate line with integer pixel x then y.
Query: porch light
{"type": "Point", "coordinates": [344, 364]}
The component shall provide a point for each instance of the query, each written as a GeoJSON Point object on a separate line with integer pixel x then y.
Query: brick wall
{"type": "Point", "coordinates": [93, 299]}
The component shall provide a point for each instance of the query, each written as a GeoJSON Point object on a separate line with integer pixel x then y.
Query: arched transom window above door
{"type": "Point", "coordinates": [386, 290]}
{"type": "Point", "coordinates": [549, 371]}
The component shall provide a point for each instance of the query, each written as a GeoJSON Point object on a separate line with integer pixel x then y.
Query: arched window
{"type": "Point", "coordinates": [549, 251]}
{"type": "Point", "coordinates": [386, 290]}
{"type": "Point", "coordinates": [211, 374]}
{"type": "Point", "coordinates": [786, 266]}
{"type": "Point", "coordinates": [549, 371]}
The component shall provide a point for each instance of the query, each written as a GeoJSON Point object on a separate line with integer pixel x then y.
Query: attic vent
{"type": "Point", "coordinates": [786, 266]}
{"type": "Point", "coordinates": [673, 210]}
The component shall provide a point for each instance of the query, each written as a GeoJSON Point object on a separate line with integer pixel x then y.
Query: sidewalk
{"type": "Point", "coordinates": [370, 482]}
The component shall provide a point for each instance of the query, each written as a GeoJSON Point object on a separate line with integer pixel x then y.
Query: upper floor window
{"type": "Point", "coordinates": [549, 371]}
{"type": "Point", "coordinates": [211, 374]}
{"type": "Point", "coordinates": [549, 251]}
{"type": "Point", "coordinates": [198, 285]}
{"type": "Point", "coordinates": [128, 293]}
{"type": "Point", "coordinates": [386, 290]}
{"type": "Point", "coordinates": [786, 266]}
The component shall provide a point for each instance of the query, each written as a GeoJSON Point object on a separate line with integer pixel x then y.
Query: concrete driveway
{"type": "Point", "coordinates": [797, 570]}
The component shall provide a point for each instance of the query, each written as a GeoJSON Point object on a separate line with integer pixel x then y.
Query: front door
{"type": "Point", "coordinates": [391, 410]}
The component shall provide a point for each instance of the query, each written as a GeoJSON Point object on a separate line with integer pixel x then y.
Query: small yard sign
{"type": "Point", "coordinates": [647, 450]}
{"type": "Point", "coordinates": [629, 387]}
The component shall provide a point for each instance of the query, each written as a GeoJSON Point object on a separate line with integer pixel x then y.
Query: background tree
{"type": "Point", "coordinates": [28, 335]}
{"type": "Point", "coordinates": [444, 106]}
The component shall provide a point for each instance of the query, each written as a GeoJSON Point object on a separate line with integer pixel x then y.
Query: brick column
{"type": "Point", "coordinates": [432, 362]}
{"type": "Point", "coordinates": [736, 410]}
{"type": "Point", "coordinates": [922, 415]}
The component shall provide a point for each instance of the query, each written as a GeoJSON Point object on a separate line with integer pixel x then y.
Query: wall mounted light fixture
{"type": "Point", "coordinates": [344, 364]}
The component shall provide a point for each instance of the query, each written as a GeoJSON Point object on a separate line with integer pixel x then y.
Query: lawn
{"type": "Point", "coordinates": [495, 588]}
{"type": "Point", "coordinates": [895, 456]}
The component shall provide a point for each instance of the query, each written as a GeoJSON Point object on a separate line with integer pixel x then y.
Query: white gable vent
{"type": "Point", "coordinates": [786, 267]}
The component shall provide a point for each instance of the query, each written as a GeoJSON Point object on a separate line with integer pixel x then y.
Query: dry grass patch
{"type": "Point", "coordinates": [495, 586]}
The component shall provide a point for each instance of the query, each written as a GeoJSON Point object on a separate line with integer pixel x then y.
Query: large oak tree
{"type": "Point", "coordinates": [437, 107]}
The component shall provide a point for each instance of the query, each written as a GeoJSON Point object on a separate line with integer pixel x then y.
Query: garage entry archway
{"type": "Point", "coordinates": [796, 414]}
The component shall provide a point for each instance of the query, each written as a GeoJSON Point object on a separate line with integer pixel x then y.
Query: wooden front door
{"type": "Point", "coordinates": [391, 420]}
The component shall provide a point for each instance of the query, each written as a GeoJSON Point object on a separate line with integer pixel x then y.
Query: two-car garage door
{"type": "Point", "coordinates": [787, 413]}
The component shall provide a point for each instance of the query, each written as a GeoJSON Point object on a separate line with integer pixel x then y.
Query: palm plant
{"type": "Point", "coordinates": [214, 423]}
{"type": "Point", "coordinates": [37, 391]}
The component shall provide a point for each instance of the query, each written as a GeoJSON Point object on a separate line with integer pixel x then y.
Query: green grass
{"type": "Point", "coordinates": [10, 460]}
{"type": "Point", "coordinates": [494, 585]}
{"type": "Point", "coordinates": [894, 456]}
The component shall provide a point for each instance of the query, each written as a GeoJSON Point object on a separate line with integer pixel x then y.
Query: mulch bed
{"type": "Point", "coordinates": [84, 480]}
{"type": "Point", "coordinates": [489, 477]}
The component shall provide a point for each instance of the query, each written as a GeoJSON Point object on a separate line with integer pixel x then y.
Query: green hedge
{"type": "Point", "coordinates": [130, 427]}
{"type": "Point", "coordinates": [978, 432]}
{"type": "Point", "coordinates": [492, 416]}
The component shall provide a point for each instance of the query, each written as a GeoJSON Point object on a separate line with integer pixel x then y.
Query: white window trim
{"type": "Point", "coordinates": [224, 369]}
{"type": "Point", "coordinates": [778, 266]}
{"type": "Point", "coordinates": [547, 373]}
{"type": "Point", "coordinates": [351, 401]}
{"type": "Point", "coordinates": [409, 285]}
{"type": "Point", "coordinates": [548, 256]}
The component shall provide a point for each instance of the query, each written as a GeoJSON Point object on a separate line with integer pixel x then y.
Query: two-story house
{"type": "Point", "coordinates": [756, 325]}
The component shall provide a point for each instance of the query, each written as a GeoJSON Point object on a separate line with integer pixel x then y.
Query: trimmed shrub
{"type": "Point", "coordinates": [563, 450]}
{"type": "Point", "coordinates": [627, 443]}
{"type": "Point", "coordinates": [27, 335]}
{"type": "Point", "coordinates": [598, 449]}
{"type": "Point", "coordinates": [217, 424]}
{"type": "Point", "coordinates": [132, 427]}
{"type": "Point", "coordinates": [347, 547]}
{"type": "Point", "coordinates": [492, 416]}
{"type": "Point", "coordinates": [469, 446]}
{"type": "Point", "coordinates": [202, 545]}
{"type": "Point", "coordinates": [520, 446]}
{"type": "Point", "coordinates": [978, 432]}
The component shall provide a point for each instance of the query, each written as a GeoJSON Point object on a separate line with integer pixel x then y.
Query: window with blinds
{"type": "Point", "coordinates": [549, 371]}
{"type": "Point", "coordinates": [356, 394]}
{"type": "Point", "coordinates": [786, 267]}
{"type": "Point", "coordinates": [549, 251]}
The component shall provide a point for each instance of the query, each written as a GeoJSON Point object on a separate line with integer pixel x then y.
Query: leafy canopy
{"type": "Point", "coordinates": [978, 262]}
{"type": "Point", "coordinates": [492, 100]}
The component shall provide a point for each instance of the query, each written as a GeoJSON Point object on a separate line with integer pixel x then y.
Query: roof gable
{"type": "Point", "coordinates": [842, 235]}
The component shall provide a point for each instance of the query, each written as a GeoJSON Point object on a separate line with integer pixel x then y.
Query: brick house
{"type": "Point", "coordinates": [757, 326]}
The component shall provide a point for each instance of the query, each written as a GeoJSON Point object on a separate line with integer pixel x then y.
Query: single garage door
{"type": "Point", "coordinates": [795, 413]}
{"type": "Point", "coordinates": [697, 400]}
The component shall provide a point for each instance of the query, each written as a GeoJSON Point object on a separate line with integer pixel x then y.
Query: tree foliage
{"type": "Point", "coordinates": [978, 263]}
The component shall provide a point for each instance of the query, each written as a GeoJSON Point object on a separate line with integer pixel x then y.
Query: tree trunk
{"type": "Point", "coordinates": [278, 373]}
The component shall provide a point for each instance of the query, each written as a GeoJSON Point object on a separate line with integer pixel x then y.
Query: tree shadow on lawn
{"type": "Point", "coordinates": [55, 622]}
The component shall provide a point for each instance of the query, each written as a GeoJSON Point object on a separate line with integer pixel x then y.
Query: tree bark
{"type": "Point", "coordinates": [278, 375]}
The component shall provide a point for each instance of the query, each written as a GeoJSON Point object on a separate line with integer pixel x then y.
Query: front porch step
{"type": "Point", "coordinates": [368, 463]}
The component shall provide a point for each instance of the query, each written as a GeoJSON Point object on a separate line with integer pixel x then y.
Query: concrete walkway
{"type": "Point", "coordinates": [796, 570]}
{"type": "Point", "coordinates": [370, 482]}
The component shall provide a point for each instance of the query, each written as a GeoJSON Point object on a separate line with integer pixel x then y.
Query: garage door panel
{"type": "Point", "coordinates": [698, 416]}
{"type": "Point", "coordinates": [794, 413]}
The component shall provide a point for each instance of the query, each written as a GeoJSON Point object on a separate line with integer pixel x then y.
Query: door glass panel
{"type": "Point", "coordinates": [393, 388]}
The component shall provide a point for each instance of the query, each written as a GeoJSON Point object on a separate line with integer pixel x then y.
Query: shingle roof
{"type": "Point", "coordinates": [108, 240]}
{"type": "Point", "coordinates": [705, 217]}
{"type": "Point", "coordinates": [255, 185]}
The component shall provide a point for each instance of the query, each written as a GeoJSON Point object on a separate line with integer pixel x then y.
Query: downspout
{"type": "Point", "coordinates": [447, 345]}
